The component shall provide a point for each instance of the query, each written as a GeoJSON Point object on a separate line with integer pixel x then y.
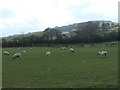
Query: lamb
{"type": "Point", "coordinates": [6, 53]}
{"type": "Point", "coordinates": [17, 55]}
{"type": "Point", "coordinates": [47, 53]}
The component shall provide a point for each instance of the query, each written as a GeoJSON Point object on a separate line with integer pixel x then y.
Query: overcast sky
{"type": "Point", "coordinates": [22, 16]}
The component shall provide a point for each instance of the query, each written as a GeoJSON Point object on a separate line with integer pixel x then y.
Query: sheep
{"type": "Point", "coordinates": [6, 53]}
{"type": "Point", "coordinates": [63, 48]}
{"type": "Point", "coordinates": [99, 53]}
{"type": "Point", "coordinates": [24, 51]}
{"type": "Point", "coordinates": [17, 55]}
{"type": "Point", "coordinates": [19, 47]}
{"type": "Point", "coordinates": [46, 48]}
{"type": "Point", "coordinates": [102, 53]}
{"type": "Point", "coordinates": [72, 50]}
{"type": "Point", "coordinates": [47, 53]}
{"type": "Point", "coordinates": [30, 48]}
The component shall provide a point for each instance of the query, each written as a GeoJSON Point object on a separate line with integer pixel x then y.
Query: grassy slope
{"type": "Point", "coordinates": [62, 68]}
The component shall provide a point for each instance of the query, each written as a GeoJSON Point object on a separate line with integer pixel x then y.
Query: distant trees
{"type": "Point", "coordinates": [35, 41]}
{"type": "Point", "coordinates": [87, 30]}
{"type": "Point", "coordinates": [105, 26]}
{"type": "Point", "coordinates": [50, 33]}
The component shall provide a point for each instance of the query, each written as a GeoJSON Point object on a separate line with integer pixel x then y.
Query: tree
{"type": "Point", "coordinates": [87, 30]}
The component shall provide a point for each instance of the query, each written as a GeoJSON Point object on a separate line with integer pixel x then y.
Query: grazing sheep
{"type": "Point", "coordinates": [24, 51]}
{"type": "Point", "coordinates": [6, 53]}
{"type": "Point", "coordinates": [46, 48]}
{"type": "Point", "coordinates": [63, 48]}
{"type": "Point", "coordinates": [30, 48]}
{"type": "Point", "coordinates": [17, 55]}
{"type": "Point", "coordinates": [102, 53]}
{"type": "Point", "coordinates": [47, 53]}
{"type": "Point", "coordinates": [19, 47]}
{"type": "Point", "coordinates": [99, 53]}
{"type": "Point", "coordinates": [72, 50]}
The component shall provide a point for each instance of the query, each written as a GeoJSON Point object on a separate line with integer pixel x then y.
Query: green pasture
{"type": "Point", "coordinates": [62, 69]}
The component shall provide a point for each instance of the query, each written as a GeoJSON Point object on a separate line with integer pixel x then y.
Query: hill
{"type": "Point", "coordinates": [102, 24]}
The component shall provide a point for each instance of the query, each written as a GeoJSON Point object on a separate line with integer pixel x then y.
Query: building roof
{"type": "Point", "coordinates": [65, 33]}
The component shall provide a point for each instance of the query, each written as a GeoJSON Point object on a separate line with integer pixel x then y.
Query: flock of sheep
{"type": "Point", "coordinates": [15, 56]}
{"type": "Point", "coordinates": [63, 48]}
{"type": "Point", "coordinates": [47, 53]}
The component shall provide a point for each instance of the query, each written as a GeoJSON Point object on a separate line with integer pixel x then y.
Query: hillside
{"type": "Point", "coordinates": [102, 24]}
{"type": "Point", "coordinates": [67, 28]}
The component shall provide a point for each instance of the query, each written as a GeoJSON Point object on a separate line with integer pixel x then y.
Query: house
{"type": "Point", "coordinates": [65, 34]}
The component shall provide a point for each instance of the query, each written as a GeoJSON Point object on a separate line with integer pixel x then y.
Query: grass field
{"type": "Point", "coordinates": [62, 69]}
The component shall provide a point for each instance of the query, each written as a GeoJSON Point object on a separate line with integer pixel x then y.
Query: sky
{"type": "Point", "coordinates": [23, 16]}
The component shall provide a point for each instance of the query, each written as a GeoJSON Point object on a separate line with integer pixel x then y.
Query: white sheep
{"type": "Point", "coordinates": [30, 48]}
{"type": "Point", "coordinates": [19, 47]}
{"type": "Point", "coordinates": [46, 48]}
{"type": "Point", "coordinates": [47, 53]}
{"type": "Point", "coordinates": [24, 51]}
{"type": "Point", "coordinates": [102, 53]}
{"type": "Point", "coordinates": [72, 50]}
{"type": "Point", "coordinates": [17, 55]}
{"type": "Point", "coordinates": [6, 53]}
{"type": "Point", "coordinates": [99, 53]}
{"type": "Point", "coordinates": [63, 48]}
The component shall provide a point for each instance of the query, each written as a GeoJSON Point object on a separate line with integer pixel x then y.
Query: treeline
{"type": "Point", "coordinates": [89, 32]}
{"type": "Point", "coordinates": [41, 41]}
